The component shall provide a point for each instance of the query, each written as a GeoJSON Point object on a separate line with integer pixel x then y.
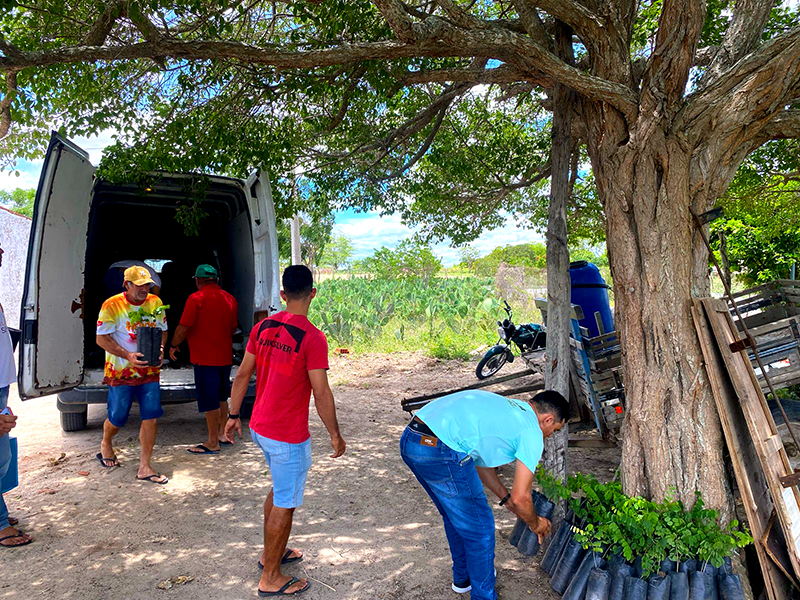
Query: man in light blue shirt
{"type": "Point", "coordinates": [452, 446]}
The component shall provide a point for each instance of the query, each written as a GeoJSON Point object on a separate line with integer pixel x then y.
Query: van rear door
{"type": "Point", "coordinates": [265, 244]}
{"type": "Point", "coordinates": [51, 353]}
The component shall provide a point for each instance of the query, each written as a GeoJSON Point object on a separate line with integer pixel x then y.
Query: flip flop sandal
{"type": "Point", "coordinates": [225, 443]}
{"type": "Point", "coordinates": [282, 591]}
{"type": "Point", "coordinates": [9, 537]}
{"type": "Point", "coordinates": [12, 521]}
{"type": "Point", "coordinates": [103, 460]}
{"type": "Point", "coordinates": [151, 479]}
{"type": "Point", "coordinates": [204, 449]}
{"type": "Point", "coordinates": [287, 559]}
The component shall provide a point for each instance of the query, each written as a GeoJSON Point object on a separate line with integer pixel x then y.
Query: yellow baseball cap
{"type": "Point", "coordinates": [138, 275]}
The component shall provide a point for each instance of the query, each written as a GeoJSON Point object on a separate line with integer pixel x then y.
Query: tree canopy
{"type": "Point", "coordinates": [19, 200]}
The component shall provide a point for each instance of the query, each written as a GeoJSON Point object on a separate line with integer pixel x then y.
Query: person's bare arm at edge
{"type": "Point", "coordinates": [522, 503]}
{"type": "Point", "coordinates": [490, 479]}
{"type": "Point", "coordinates": [180, 334]}
{"type": "Point", "coordinates": [326, 409]}
{"type": "Point", "coordinates": [238, 390]}
{"type": "Point", "coordinates": [107, 343]}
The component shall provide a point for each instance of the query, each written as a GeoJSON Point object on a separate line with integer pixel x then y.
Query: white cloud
{"type": "Point", "coordinates": [28, 176]}
{"type": "Point", "coordinates": [372, 231]}
{"type": "Point", "coordinates": [29, 171]}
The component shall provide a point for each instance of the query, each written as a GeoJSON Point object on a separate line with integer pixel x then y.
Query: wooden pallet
{"type": "Point", "coordinates": [771, 312]}
{"type": "Point", "coordinates": [756, 449]}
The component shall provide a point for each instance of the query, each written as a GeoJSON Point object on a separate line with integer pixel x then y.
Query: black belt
{"type": "Point", "coordinates": [418, 426]}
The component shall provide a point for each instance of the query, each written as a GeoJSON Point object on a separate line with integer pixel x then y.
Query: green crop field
{"type": "Point", "coordinates": [445, 317]}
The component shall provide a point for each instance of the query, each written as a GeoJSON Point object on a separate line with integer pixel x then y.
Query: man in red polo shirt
{"type": "Point", "coordinates": [292, 359]}
{"type": "Point", "coordinates": [208, 323]}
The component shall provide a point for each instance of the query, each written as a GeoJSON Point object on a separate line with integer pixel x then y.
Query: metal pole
{"type": "Point", "coordinates": [296, 254]}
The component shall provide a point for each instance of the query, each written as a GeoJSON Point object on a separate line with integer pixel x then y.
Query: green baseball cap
{"type": "Point", "coordinates": [206, 271]}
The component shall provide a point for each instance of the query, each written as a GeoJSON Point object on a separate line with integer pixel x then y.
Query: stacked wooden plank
{"type": "Point", "coordinates": [759, 458]}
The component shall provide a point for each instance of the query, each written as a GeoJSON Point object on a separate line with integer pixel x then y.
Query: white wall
{"type": "Point", "coordinates": [14, 233]}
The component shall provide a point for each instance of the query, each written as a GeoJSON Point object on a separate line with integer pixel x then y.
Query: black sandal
{"type": "Point", "coordinates": [8, 537]}
{"type": "Point", "coordinates": [282, 591]}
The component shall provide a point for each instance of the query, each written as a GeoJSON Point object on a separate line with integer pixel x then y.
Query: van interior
{"type": "Point", "coordinates": [133, 223]}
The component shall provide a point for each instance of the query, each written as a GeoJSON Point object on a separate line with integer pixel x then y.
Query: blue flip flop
{"type": "Point", "coordinates": [203, 448]}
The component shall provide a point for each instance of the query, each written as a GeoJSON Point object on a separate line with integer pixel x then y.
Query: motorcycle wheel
{"type": "Point", "coordinates": [490, 365]}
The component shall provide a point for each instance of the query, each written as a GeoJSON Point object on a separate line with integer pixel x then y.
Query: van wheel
{"type": "Point", "coordinates": [74, 421]}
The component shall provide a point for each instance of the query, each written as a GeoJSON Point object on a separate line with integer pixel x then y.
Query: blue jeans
{"type": "Point", "coordinates": [450, 479]}
{"type": "Point", "coordinates": [5, 459]}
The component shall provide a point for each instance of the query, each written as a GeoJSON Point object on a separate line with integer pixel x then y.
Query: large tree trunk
{"type": "Point", "coordinates": [672, 442]}
{"type": "Point", "coordinates": [558, 288]}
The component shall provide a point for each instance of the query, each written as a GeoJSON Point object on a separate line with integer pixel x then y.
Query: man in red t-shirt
{"type": "Point", "coordinates": [291, 356]}
{"type": "Point", "coordinates": [208, 323]}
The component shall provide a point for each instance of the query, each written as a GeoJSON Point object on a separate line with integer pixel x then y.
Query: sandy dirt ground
{"type": "Point", "coordinates": [367, 529]}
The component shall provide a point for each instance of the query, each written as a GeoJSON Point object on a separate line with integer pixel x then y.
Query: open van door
{"type": "Point", "coordinates": [51, 353]}
{"type": "Point", "coordinates": [265, 244]}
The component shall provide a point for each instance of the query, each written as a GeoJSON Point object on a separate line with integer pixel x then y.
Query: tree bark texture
{"type": "Point", "coordinates": [558, 286]}
{"type": "Point", "coordinates": [672, 441]}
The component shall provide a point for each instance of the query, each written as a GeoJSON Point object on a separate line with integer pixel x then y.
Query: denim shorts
{"type": "Point", "coordinates": [289, 465]}
{"type": "Point", "coordinates": [120, 399]}
{"type": "Point", "coordinates": [212, 385]}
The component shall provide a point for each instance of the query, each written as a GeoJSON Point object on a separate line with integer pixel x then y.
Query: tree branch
{"type": "Point", "coordinates": [499, 75]}
{"type": "Point", "coordinates": [785, 125]}
{"type": "Point", "coordinates": [704, 56]}
{"type": "Point", "coordinates": [588, 25]}
{"type": "Point", "coordinates": [679, 28]}
{"type": "Point", "coordinates": [5, 103]}
{"type": "Point", "coordinates": [744, 32]}
{"type": "Point", "coordinates": [339, 116]}
{"type": "Point", "coordinates": [204, 50]}
{"type": "Point", "coordinates": [461, 17]}
{"type": "Point", "coordinates": [396, 16]}
{"type": "Point", "coordinates": [525, 54]}
{"type": "Point", "coordinates": [422, 149]}
{"type": "Point", "coordinates": [105, 23]}
{"type": "Point", "coordinates": [533, 23]}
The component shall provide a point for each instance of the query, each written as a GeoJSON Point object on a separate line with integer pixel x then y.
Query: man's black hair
{"type": "Point", "coordinates": [550, 401]}
{"type": "Point", "coordinates": [297, 282]}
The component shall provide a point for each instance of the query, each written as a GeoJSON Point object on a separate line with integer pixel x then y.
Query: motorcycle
{"type": "Point", "coordinates": [527, 337]}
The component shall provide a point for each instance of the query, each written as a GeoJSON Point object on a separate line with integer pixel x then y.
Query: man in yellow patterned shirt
{"type": "Point", "coordinates": [127, 375]}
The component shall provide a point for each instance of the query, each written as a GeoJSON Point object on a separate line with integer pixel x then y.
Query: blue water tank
{"type": "Point", "coordinates": [590, 292]}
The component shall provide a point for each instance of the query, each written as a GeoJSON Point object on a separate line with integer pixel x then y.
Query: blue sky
{"type": "Point", "coordinates": [368, 231]}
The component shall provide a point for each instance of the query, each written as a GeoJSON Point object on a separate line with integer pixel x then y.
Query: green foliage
{"type": "Point", "coordinates": [519, 255]}
{"type": "Point", "coordinates": [337, 252]}
{"type": "Point", "coordinates": [446, 317]}
{"type": "Point", "coordinates": [20, 201]}
{"type": "Point", "coordinates": [143, 317]}
{"type": "Point", "coordinates": [315, 233]}
{"type": "Point", "coordinates": [610, 521]}
{"type": "Point", "coordinates": [410, 260]}
{"type": "Point", "coordinates": [761, 223]}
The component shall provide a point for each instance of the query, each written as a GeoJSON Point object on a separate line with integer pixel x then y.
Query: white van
{"type": "Point", "coordinates": [82, 225]}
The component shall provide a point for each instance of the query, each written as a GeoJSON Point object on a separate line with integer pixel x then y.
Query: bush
{"type": "Point", "coordinates": [608, 520]}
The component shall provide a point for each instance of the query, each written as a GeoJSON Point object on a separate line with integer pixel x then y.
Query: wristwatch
{"type": "Point", "coordinates": [506, 499]}
{"type": "Point", "coordinates": [234, 417]}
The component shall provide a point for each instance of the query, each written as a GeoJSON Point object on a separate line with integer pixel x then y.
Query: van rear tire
{"type": "Point", "coordinates": [74, 421]}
